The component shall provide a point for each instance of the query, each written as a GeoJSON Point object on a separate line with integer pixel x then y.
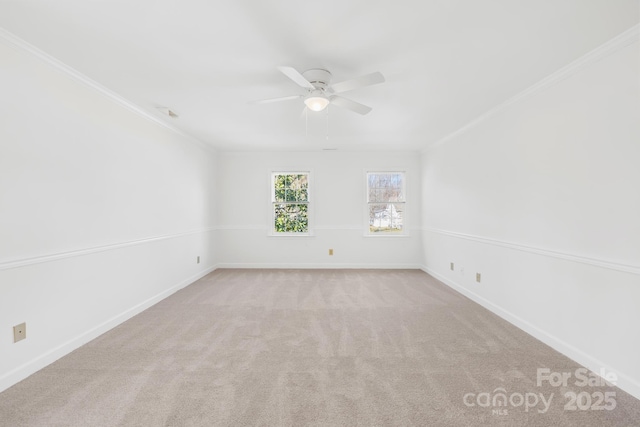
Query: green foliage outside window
{"type": "Point", "coordinates": [291, 203]}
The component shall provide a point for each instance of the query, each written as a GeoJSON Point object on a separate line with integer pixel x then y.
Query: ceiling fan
{"type": "Point", "coordinates": [320, 92]}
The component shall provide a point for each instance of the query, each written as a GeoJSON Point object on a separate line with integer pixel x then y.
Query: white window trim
{"type": "Point", "coordinates": [367, 232]}
{"type": "Point", "coordinates": [290, 171]}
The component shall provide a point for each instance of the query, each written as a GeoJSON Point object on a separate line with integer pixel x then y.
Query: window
{"type": "Point", "coordinates": [385, 200]}
{"type": "Point", "coordinates": [290, 200]}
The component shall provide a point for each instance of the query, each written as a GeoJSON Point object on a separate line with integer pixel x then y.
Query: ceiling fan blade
{"type": "Point", "coordinates": [350, 105]}
{"type": "Point", "coordinates": [294, 75]}
{"type": "Point", "coordinates": [283, 98]}
{"type": "Point", "coordinates": [358, 82]}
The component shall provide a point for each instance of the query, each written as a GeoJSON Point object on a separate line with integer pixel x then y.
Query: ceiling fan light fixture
{"type": "Point", "coordinates": [316, 102]}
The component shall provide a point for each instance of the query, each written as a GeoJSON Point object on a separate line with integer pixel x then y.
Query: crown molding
{"type": "Point", "coordinates": [622, 40]}
{"type": "Point", "coordinates": [19, 44]}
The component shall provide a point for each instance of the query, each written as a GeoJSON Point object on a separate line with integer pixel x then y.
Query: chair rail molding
{"type": "Point", "coordinates": [612, 265]}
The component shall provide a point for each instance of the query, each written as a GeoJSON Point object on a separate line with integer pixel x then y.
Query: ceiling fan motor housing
{"type": "Point", "coordinates": [319, 78]}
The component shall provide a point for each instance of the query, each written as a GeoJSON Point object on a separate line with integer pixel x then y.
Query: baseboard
{"type": "Point", "coordinates": [624, 382]}
{"type": "Point", "coordinates": [336, 266]}
{"type": "Point", "coordinates": [20, 373]}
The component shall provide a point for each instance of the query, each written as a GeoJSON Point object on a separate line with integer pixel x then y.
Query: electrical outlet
{"type": "Point", "coordinates": [478, 277]}
{"type": "Point", "coordinates": [330, 251]}
{"type": "Point", "coordinates": [19, 332]}
{"type": "Point", "coordinates": [451, 266]}
{"type": "Point", "coordinates": [198, 261]}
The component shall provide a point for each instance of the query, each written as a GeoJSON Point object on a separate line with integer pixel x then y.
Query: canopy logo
{"type": "Point", "coordinates": [500, 401]}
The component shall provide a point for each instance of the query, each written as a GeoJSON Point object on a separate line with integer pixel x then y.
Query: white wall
{"type": "Point", "coordinates": [543, 199]}
{"type": "Point", "coordinates": [338, 205]}
{"type": "Point", "coordinates": [102, 212]}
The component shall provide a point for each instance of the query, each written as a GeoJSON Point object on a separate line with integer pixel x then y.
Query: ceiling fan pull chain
{"type": "Point", "coordinates": [327, 134]}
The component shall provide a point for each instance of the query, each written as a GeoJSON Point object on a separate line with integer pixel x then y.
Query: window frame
{"type": "Point", "coordinates": [367, 230]}
{"type": "Point", "coordinates": [272, 203]}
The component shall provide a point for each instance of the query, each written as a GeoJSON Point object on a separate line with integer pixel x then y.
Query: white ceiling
{"type": "Point", "coordinates": [446, 61]}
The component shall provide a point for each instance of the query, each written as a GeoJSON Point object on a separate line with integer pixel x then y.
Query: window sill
{"type": "Point", "coordinates": [294, 235]}
{"type": "Point", "coordinates": [386, 236]}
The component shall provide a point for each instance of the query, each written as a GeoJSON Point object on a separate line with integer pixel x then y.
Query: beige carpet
{"type": "Point", "coordinates": [312, 348]}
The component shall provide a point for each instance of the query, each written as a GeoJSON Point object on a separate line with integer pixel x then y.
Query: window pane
{"type": "Point", "coordinates": [371, 178]}
{"type": "Point", "coordinates": [301, 181]}
{"type": "Point", "coordinates": [386, 217]}
{"type": "Point", "coordinates": [371, 194]}
{"type": "Point", "coordinates": [291, 218]}
{"type": "Point", "coordinates": [279, 189]}
{"type": "Point", "coordinates": [292, 185]}
{"type": "Point", "coordinates": [290, 195]}
{"type": "Point", "coordinates": [385, 187]}
{"type": "Point", "coordinates": [394, 194]}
